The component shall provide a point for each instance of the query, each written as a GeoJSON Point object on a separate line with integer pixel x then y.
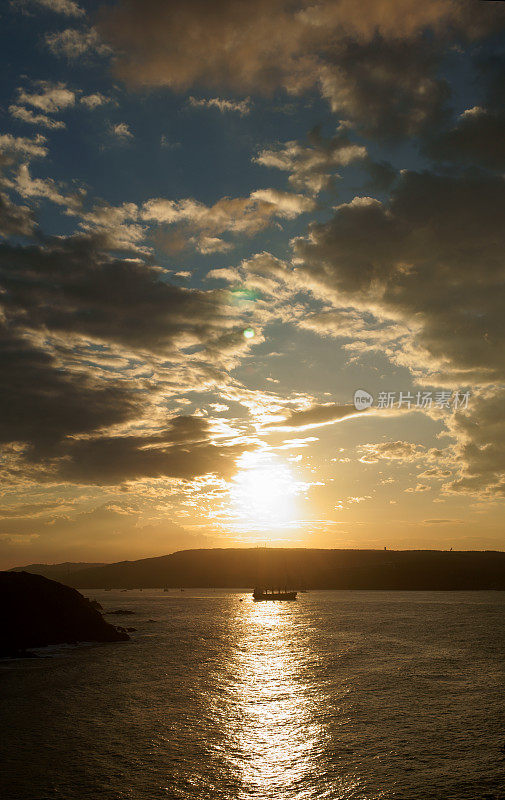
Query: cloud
{"type": "Point", "coordinates": [73, 43]}
{"type": "Point", "coordinates": [477, 138]}
{"type": "Point", "coordinates": [436, 473]}
{"type": "Point", "coordinates": [313, 166]}
{"type": "Point", "coordinates": [284, 204]}
{"type": "Point", "coordinates": [91, 344]}
{"type": "Point", "coordinates": [480, 446]}
{"type": "Point", "coordinates": [122, 131]}
{"type": "Point", "coordinates": [395, 451]}
{"type": "Point", "coordinates": [242, 107]}
{"type": "Point", "coordinates": [184, 450]}
{"type": "Point", "coordinates": [429, 260]}
{"type": "Point", "coordinates": [235, 43]}
{"type": "Point", "coordinates": [15, 220]}
{"type": "Point", "coordinates": [53, 97]}
{"type": "Point", "coordinates": [343, 323]}
{"type": "Point", "coordinates": [36, 388]}
{"type": "Point", "coordinates": [117, 225]}
{"type": "Point", "coordinates": [95, 100]}
{"type": "Point", "coordinates": [66, 7]}
{"type": "Point", "coordinates": [24, 510]}
{"type": "Point", "coordinates": [388, 88]}
{"type": "Point", "coordinates": [262, 285]}
{"type": "Point", "coordinates": [198, 225]}
{"type": "Point", "coordinates": [207, 244]}
{"type": "Point", "coordinates": [15, 147]}
{"type": "Point", "coordinates": [315, 416]}
{"type": "Point", "coordinates": [378, 67]}
{"type": "Point", "coordinates": [104, 298]}
{"type": "Point", "coordinates": [44, 188]}
{"type": "Point", "coordinates": [26, 115]}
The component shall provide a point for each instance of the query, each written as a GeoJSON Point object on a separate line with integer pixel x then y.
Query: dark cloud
{"type": "Point", "coordinates": [66, 303]}
{"type": "Point", "coordinates": [184, 450]}
{"type": "Point", "coordinates": [478, 135]}
{"type": "Point", "coordinates": [41, 403]}
{"type": "Point", "coordinates": [48, 409]}
{"type": "Point", "coordinates": [376, 67]}
{"type": "Point", "coordinates": [72, 286]}
{"type": "Point", "coordinates": [480, 445]}
{"type": "Point", "coordinates": [431, 258]}
{"type": "Point", "coordinates": [231, 42]}
{"type": "Point", "coordinates": [388, 88]}
{"type": "Point", "coordinates": [15, 220]}
{"type": "Point", "coordinates": [477, 138]}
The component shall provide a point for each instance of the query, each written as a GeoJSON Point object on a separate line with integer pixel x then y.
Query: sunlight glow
{"type": "Point", "coordinates": [263, 493]}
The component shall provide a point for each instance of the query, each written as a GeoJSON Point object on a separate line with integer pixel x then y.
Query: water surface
{"type": "Point", "coordinates": [341, 695]}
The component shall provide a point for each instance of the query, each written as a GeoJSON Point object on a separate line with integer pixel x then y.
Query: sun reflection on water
{"type": "Point", "coordinates": [274, 734]}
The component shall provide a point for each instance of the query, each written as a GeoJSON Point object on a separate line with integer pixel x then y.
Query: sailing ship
{"type": "Point", "coordinates": [265, 594]}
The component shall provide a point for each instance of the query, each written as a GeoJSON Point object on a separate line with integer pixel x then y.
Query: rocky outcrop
{"type": "Point", "coordinates": [120, 612]}
{"type": "Point", "coordinates": [36, 611]}
{"type": "Point", "coordinates": [95, 604]}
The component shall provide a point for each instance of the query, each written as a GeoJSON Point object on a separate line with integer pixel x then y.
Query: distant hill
{"type": "Point", "coordinates": [58, 572]}
{"type": "Point", "coordinates": [298, 567]}
{"type": "Point", "coordinates": [36, 611]}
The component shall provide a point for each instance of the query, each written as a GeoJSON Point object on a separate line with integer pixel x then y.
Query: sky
{"type": "Point", "coordinates": [218, 222]}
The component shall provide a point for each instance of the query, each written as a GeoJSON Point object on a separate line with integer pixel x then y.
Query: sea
{"type": "Point", "coordinates": [342, 695]}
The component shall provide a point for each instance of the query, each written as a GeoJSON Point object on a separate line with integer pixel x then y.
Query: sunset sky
{"type": "Point", "coordinates": [218, 220]}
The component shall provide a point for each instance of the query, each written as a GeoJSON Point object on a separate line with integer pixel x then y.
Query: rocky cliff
{"type": "Point", "coordinates": [36, 611]}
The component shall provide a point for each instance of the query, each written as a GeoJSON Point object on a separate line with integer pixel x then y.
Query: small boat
{"type": "Point", "coordinates": [265, 594]}
{"type": "Point", "coordinates": [165, 590]}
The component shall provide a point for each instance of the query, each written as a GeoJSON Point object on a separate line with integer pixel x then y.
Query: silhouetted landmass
{"type": "Point", "coordinates": [303, 568]}
{"type": "Point", "coordinates": [58, 572]}
{"type": "Point", "coordinates": [36, 611]}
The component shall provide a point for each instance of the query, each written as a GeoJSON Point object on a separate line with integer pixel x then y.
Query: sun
{"type": "Point", "coordinates": [263, 493]}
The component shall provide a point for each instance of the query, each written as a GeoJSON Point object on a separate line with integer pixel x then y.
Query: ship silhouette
{"type": "Point", "coordinates": [280, 594]}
